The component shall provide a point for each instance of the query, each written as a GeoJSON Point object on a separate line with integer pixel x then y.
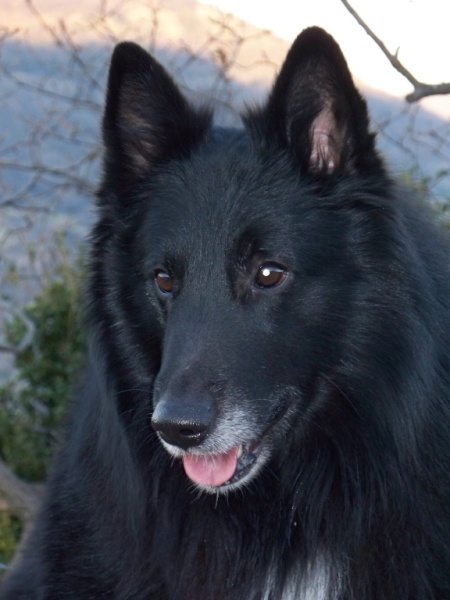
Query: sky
{"type": "Point", "coordinates": [418, 29]}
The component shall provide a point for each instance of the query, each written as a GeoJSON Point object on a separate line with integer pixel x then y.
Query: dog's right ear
{"type": "Point", "coordinates": [147, 120]}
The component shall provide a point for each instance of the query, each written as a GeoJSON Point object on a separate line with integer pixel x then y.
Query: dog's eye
{"type": "Point", "coordinates": [164, 281]}
{"type": "Point", "coordinates": [270, 276]}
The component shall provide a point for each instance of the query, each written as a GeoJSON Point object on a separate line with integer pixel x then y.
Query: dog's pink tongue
{"type": "Point", "coordinates": [213, 469]}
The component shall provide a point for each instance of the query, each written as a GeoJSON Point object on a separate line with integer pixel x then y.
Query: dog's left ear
{"type": "Point", "coordinates": [316, 111]}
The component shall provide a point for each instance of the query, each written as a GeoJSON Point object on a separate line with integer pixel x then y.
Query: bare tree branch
{"type": "Point", "coordinates": [421, 90]}
{"type": "Point", "coordinates": [74, 99]}
{"type": "Point", "coordinates": [65, 174]}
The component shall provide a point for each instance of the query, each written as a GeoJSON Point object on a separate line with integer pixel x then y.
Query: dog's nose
{"type": "Point", "coordinates": [183, 424]}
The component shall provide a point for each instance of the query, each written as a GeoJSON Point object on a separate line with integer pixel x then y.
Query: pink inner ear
{"type": "Point", "coordinates": [325, 142]}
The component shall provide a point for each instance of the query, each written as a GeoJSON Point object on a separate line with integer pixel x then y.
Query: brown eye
{"type": "Point", "coordinates": [164, 281]}
{"type": "Point", "coordinates": [270, 276]}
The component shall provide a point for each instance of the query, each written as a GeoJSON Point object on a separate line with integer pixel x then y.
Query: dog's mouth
{"type": "Point", "coordinates": [227, 468]}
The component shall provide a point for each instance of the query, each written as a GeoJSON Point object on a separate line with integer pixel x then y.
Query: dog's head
{"type": "Point", "coordinates": [223, 256]}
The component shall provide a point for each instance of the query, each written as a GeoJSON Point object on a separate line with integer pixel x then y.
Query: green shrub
{"type": "Point", "coordinates": [34, 400]}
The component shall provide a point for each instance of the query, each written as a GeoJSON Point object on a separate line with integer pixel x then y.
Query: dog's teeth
{"type": "Point", "coordinates": [239, 454]}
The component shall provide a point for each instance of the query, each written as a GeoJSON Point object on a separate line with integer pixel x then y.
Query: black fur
{"type": "Point", "coordinates": [335, 379]}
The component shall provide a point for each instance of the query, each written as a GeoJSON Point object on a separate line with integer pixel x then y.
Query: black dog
{"type": "Point", "coordinates": [266, 410]}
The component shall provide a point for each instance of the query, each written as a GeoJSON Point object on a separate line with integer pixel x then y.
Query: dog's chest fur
{"type": "Point", "coordinates": [314, 586]}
